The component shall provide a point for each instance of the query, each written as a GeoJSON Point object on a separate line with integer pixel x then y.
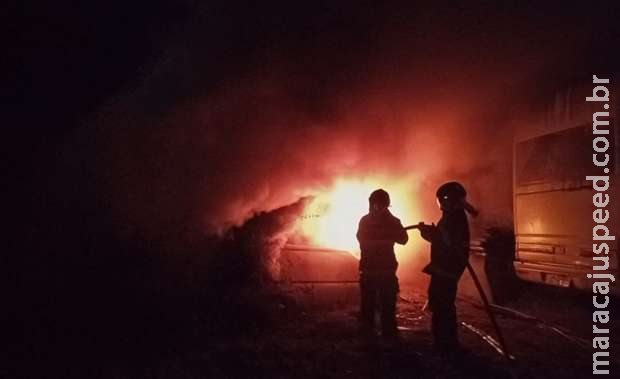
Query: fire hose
{"type": "Point", "coordinates": [484, 298]}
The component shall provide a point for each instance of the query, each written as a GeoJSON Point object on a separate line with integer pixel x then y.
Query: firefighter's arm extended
{"type": "Point", "coordinates": [428, 232]}
{"type": "Point", "coordinates": [400, 234]}
{"type": "Point", "coordinates": [384, 234]}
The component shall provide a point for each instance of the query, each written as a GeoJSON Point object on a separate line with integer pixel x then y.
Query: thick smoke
{"type": "Point", "coordinates": [263, 237]}
{"type": "Point", "coordinates": [198, 146]}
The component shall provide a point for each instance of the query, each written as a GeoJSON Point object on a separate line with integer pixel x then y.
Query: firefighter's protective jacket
{"type": "Point", "coordinates": [449, 245]}
{"type": "Point", "coordinates": [377, 233]}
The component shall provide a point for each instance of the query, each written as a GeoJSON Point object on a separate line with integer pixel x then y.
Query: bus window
{"type": "Point", "coordinates": [563, 157]}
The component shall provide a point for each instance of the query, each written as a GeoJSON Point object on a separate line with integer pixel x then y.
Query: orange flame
{"type": "Point", "coordinates": [331, 218]}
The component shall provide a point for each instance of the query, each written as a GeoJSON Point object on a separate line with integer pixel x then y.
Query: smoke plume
{"type": "Point", "coordinates": [226, 124]}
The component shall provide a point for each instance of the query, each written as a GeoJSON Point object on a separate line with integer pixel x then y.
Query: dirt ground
{"type": "Point", "coordinates": [316, 336]}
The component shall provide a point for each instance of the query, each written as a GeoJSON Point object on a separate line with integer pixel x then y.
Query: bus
{"type": "Point", "coordinates": [552, 200]}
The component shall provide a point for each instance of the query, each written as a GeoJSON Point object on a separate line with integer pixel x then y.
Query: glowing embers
{"type": "Point", "coordinates": [331, 218]}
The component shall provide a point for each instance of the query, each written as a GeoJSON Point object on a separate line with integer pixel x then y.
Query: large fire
{"type": "Point", "coordinates": [331, 218]}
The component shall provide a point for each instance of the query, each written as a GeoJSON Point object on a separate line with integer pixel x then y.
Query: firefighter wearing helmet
{"type": "Point", "coordinates": [377, 233]}
{"type": "Point", "coordinates": [449, 256]}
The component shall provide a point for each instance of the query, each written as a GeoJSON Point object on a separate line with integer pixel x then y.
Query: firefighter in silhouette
{"type": "Point", "coordinates": [377, 233]}
{"type": "Point", "coordinates": [449, 256]}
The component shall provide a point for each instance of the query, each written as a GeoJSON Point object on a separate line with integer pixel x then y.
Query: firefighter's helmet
{"type": "Point", "coordinates": [379, 198]}
{"type": "Point", "coordinates": [451, 191]}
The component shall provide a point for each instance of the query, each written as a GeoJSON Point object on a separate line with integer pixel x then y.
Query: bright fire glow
{"type": "Point", "coordinates": [331, 218]}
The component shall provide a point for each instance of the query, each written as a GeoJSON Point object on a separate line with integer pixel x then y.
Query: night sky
{"type": "Point", "coordinates": [67, 58]}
